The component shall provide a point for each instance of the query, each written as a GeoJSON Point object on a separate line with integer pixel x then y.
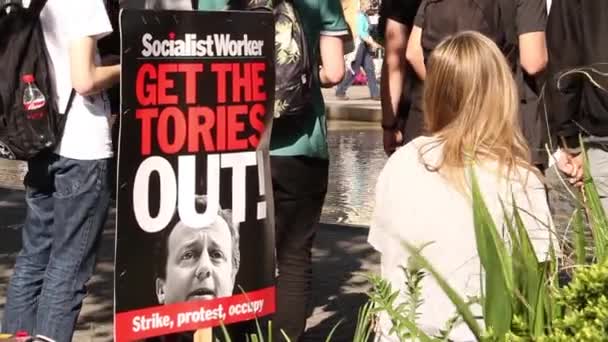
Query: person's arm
{"type": "Point", "coordinates": [332, 52]}
{"type": "Point", "coordinates": [393, 76]}
{"type": "Point", "coordinates": [84, 30]}
{"type": "Point", "coordinates": [415, 54]}
{"type": "Point", "coordinates": [87, 77]}
{"type": "Point", "coordinates": [331, 44]}
{"type": "Point", "coordinates": [531, 20]}
{"type": "Point", "coordinates": [371, 43]}
{"type": "Point", "coordinates": [533, 52]}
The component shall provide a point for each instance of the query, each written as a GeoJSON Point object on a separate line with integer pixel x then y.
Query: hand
{"type": "Point", "coordinates": [392, 139]}
{"type": "Point", "coordinates": [572, 166]}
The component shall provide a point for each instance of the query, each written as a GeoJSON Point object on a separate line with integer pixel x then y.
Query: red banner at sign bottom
{"type": "Point", "coordinates": [190, 316]}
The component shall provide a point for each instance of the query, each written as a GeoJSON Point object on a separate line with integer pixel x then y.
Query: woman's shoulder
{"type": "Point", "coordinates": [413, 158]}
{"type": "Point", "coordinates": [426, 146]}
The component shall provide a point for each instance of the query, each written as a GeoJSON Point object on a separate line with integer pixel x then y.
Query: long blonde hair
{"type": "Point", "coordinates": [471, 106]}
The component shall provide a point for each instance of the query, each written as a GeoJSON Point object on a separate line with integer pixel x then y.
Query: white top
{"type": "Point", "coordinates": [420, 206]}
{"type": "Point", "coordinates": [87, 130]}
{"type": "Point", "coordinates": [169, 4]}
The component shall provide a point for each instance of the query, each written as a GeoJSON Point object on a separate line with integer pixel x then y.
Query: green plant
{"type": "Point", "coordinates": [521, 298]}
{"type": "Point", "coordinates": [404, 313]}
{"type": "Point", "coordinates": [363, 330]}
{"type": "Point", "coordinates": [585, 303]}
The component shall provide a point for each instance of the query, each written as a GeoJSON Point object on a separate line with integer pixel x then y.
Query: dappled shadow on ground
{"type": "Point", "coordinates": [340, 255]}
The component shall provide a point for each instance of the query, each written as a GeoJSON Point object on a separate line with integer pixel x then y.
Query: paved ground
{"type": "Point", "coordinates": [359, 107]}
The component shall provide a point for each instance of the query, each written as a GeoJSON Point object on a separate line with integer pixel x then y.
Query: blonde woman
{"type": "Point", "coordinates": [422, 195]}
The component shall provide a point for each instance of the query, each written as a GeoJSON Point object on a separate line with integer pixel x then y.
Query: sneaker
{"type": "Point", "coordinates": [342, 97]}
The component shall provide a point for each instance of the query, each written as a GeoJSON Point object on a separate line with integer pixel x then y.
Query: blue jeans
{"type": "Point", "coordinates": [67, 205]}
{"type": "Point", "coordinates": [363, 58]}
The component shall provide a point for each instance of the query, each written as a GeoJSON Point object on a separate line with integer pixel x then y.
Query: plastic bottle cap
{"type": "Point", "coordinates": [28, 78]}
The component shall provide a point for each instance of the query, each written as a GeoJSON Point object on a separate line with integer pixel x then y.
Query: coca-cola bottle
{"type": "Point", "coordinates": [36, 111]}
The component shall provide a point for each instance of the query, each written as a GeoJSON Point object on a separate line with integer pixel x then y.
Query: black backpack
{"type": "Point", "coordinates": [25, 132]}
{"type": "Point", "coordinates": [493, 18]}
{"type": "Point", "coordinates": [293, 65]}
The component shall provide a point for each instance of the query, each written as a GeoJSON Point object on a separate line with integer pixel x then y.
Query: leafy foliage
{"type": "Point", "coordinates": [585, 301]}
{"type": "Point", "coordinates": [521, 299]}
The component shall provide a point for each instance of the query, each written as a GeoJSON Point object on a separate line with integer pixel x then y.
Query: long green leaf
{"type": "Point", "coordinates": [458, 302]}
{"type": "Point", "coordinates": [533, 275]}
{"type": "Point", "coordinates": [225, 333]}
{"type": "Point", "coordinates": [595, 212]}
{"type": "Point", "coordinates": [363, 330]}
{"type": "Point", "coordinates": [497, 264]}
{"type": "Point", "coordinates": [538, 325]}
{"type": "Point", "coordinates": [578, 224]}
{"type": "Point", "coordinates": [552, 306]}
{"type": "Point", "coordinates": [333, 330]}
{"type": "Point", "coordinates": [518, 263]}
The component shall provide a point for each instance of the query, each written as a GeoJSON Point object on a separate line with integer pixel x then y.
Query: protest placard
{"type": "Point", "coordinates": [195, 235]}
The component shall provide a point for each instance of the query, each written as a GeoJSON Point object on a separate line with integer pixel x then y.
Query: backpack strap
{"type": "Point", "coordinates": [70, 101]}
{"type": "Point", "coordinates": [36, 6]}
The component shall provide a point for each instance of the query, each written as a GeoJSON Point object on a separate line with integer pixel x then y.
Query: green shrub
{"type": "Point", "coordinates": [585, 303]}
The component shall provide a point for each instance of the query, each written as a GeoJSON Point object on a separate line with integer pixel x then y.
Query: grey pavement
{"type": "Point", "coordinates": [340, 253]}
{"type": "Point", "coordinates": [359, 107]}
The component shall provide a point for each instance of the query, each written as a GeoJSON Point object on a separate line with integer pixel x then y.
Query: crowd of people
{"type": "Point", "coordinates": [510, 106]}
{"type": "Point", "coordinates": [506, 91]}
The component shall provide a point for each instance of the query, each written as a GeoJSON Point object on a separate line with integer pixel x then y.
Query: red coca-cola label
{"type": "Point", "coordinates": [35, 115]}
{"type": "Point", "coordinates": [35, 104]}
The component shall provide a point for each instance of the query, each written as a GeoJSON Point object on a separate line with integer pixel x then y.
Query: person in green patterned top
{"type": "Point", "coordinates": [300, 162]}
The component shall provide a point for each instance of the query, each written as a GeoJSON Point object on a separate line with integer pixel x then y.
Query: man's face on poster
{"type": "Point", "coordinates": [199, 264]}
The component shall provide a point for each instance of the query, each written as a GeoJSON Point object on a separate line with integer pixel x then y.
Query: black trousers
{"type": "Point", "coordinates": [299, 186]}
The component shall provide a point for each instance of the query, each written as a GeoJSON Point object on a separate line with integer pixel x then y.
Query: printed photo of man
{"type": "Point", "coordinates": [198, 263]}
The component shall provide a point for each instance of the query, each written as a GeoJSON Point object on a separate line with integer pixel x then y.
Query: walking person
{"type": "Point", "coordinates": [67, 190]}
{"type": "Point", "coordinates": [364, 57]}
{"type": "Point", "coordinates": [423, 194]}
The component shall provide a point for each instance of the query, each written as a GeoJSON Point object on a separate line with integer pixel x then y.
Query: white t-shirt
{"type": "Point", "coordinates": [168, 4]}
{"type": "Point", "coordinates": [417, 205]}
{"type": "Point", "coordinates": [87, 131]}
